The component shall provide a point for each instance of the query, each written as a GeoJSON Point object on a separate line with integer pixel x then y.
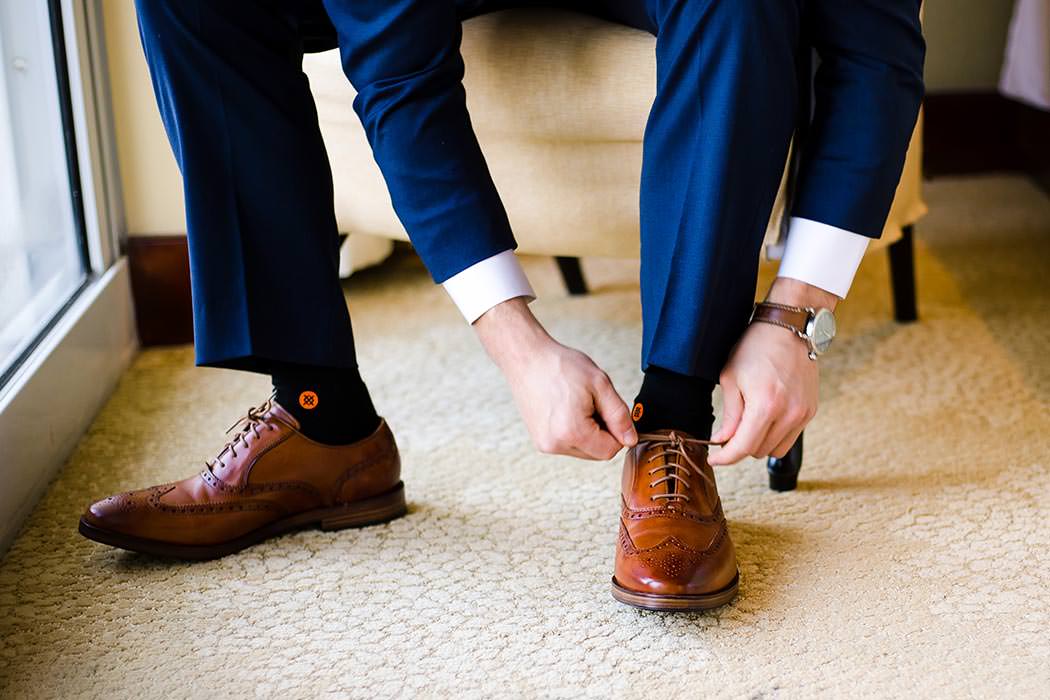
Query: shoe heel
{"type": "Point", "coordinates": [783, 471]}
{"type": "Point", "coordinates": [372, 511]}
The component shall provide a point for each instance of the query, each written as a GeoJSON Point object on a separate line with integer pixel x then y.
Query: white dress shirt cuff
{"type": "Point", "coordinates": [486, 283]}
{"type": "Point", "coordinates": [822, 255]}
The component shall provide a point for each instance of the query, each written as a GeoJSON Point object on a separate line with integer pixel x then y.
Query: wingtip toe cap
{"type": "Point", "coordinates": [109, 511]}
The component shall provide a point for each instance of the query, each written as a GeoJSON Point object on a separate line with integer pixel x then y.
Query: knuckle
{"type": "Point", "coordinates": [545, 445]}
{"type": "Point", "coordinates": [566, 436]}
{"type": "Point", "coordinates": [768, 396]}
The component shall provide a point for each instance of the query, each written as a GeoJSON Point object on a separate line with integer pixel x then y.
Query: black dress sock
{"type": "Point", "coordinates": [672, 401]}
{"type": "Point", "coordinates": [331, 405]}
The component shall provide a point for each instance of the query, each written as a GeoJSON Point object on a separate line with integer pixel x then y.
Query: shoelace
{"type": "Point", "coordinates": [251, 421]}
{"type": "Point", "coordinates": [674, 446]}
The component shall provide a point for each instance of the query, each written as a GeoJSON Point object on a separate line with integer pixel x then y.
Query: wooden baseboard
{"type": "Point", "coordinates": [975, 132]}
{"type": "Point", "coordinates": [160, 284]}
{"type": "Point", "coordinates": [1033, 133]}
{"type": "Point", "coordinates": [52, 400]}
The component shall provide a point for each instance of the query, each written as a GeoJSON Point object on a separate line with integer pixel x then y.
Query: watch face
{"type": "Point", "coordinates": [822, 330]}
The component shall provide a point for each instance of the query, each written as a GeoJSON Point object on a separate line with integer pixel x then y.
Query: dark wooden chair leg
{"type": "Point", "coordinates": [572, 274]}
{"type": "Point", "coordinates": [902, 277]}
{"type": "Point", "coordinates": [783, 471]}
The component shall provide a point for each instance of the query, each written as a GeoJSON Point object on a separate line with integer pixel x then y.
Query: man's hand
{"type": "Point", "coordinates": [769, 385]}
{"type": "Point", "coordinates": [568, 403]}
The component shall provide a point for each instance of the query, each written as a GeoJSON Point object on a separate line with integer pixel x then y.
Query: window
{"type": "Point", "coordinates": [67, 328]}
{"type": "Point", "coordinates": [42, 245]}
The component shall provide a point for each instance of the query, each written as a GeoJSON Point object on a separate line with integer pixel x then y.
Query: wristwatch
{"type": "Point", "coordinates": [816, 327]}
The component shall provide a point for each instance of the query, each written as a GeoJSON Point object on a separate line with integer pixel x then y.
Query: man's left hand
{"type": "Point", "coordinates": [769, 385]}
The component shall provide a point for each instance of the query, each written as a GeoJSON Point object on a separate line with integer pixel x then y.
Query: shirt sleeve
{"type": "Point", "coordinates": [486, 283]}
{"type": "Point", "coordinates": [822, 255]}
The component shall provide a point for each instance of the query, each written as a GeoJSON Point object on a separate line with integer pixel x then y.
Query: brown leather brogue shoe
{"type": "Point", "coordinates": [268, 480]}
{"type": "Point", "coordinates": [674, 551]}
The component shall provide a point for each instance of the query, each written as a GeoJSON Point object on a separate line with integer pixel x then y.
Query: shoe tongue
{"type": "Point", "coordinates": [277, 411]}
{"type": "Point", "coordinates": [680, 433]}
{"type": "Point", "coordinates": [672, 486]}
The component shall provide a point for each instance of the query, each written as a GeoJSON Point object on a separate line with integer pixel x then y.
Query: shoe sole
{"type": "Point", "coordinates": [675, 603]}
{"type": "Point", "coordinates": [371, 511]}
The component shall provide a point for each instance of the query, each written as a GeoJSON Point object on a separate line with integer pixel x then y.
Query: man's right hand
{"type": "Point", "coordinates": [568, 403]}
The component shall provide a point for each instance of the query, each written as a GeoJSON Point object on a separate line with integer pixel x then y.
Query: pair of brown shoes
{"type": "Point", "coordinates": [674, 551]}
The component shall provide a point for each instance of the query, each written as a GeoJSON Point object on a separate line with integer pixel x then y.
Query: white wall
{"type": "Point", "coordinates": [965, 43]}
{"type": "Point", "coordinates": [152, 184]}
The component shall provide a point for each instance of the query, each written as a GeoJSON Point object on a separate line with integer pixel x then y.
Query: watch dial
{"type": "Point", "coordinates": [823, 330]}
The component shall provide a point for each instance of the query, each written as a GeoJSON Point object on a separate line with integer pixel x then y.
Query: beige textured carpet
{"type": "Point", "coordinates": [911, 562]}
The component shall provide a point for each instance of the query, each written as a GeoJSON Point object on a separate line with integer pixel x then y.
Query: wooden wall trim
{"type": "Point", "coordinates": [160, 285]}
{"type": "Point", "coordinates": [976, 132]}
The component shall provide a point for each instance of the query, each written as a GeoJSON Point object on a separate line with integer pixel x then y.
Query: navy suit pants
{"type": "Point", "coordinates": [262, 232]}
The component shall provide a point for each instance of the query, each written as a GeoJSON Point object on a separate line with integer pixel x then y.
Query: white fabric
{"type": "Point", "coordinates": [484, 284]}
{"type": "Point", "coordinates": [1026, 66]}
{"type": "Point", "coordinates": [821, 255]}
{"type": "Point", "coordinates": [360, 250]}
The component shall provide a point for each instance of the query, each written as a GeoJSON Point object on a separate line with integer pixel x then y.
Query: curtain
{"type": "Point", "coordinates": [1026, 66]}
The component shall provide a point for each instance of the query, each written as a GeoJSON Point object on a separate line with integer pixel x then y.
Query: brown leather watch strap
{"type": "Point", "coordinates": [793, 318]}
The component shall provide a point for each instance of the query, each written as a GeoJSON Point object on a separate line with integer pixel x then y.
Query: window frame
{"type": "Point", "coordinates": [50, 398]}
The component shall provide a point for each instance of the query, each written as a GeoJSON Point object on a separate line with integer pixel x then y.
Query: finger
{"type": "Point", "coordinates": [596, 443]}
{"type": "Point", "coordinates": [787, 429]}
{"type": "Point", "coordinates": [753, 428]}
{"type": "Point", "coordinates": [785, 446]}
{"type": "Point", "coordinates": [732, 410]}
{"type": "Point", "coordinates": [573, 452]}
{"type": "Point", "coordinates": [778, 432]}
{"type": "Point", "coordinates": [613, 411]}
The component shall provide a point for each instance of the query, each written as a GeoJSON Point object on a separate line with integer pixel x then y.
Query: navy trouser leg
{"type": "Point", "coordinates": [715, 148]}
{"type": "Point", "coordinates": [259, 204]}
